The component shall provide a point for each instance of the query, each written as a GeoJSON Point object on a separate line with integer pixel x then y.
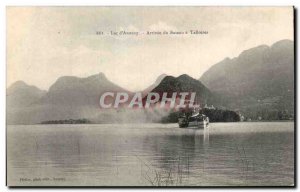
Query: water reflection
{"type": "Point", "coordinates": [155, 155]}
{"type": "Point", "coordinates": [206, 137]}
{"type": "Point", "coordinates": [175, 157]}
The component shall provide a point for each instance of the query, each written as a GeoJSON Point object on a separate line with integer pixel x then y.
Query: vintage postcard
{"type": "Point", "coordinates": [150, 96]}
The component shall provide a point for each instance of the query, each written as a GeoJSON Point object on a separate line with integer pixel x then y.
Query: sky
{"type": "Point", "coordinates": [45, 43]}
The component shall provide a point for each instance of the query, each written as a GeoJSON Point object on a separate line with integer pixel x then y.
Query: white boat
{"type": "Point", "coordinates": [197, 120]}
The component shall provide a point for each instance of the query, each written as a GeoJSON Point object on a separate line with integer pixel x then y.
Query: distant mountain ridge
{"type": "Point", "coordinates": [261, 77]}
{"type": "Point", "coordinates": [69, 97]}
{"type": "Point", "coordinates": [20, 94]}
{"type": "Point", "coordinates": [151, 87]}
{"type": "Point", "coordinates": [258, 83]}
{"type": "Point", "coordinates": [185, 83]}
{"type": "Point", "coordinates": [75, 91]}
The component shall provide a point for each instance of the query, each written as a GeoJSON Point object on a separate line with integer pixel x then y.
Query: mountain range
{"type": "Point", "coordinates": [68, 98]}
{"type": "Point", "coordinates": [185, 83]}
{"type": "Point", "coordinates": [259, 82]}
{"type": "Point", "coordinates": [20, 94]}
{"type": "Point", "coordinates": [74, 91]}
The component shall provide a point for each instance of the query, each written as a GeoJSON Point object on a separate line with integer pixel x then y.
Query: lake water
{"type": "Point", "coordinates": [227, 154]}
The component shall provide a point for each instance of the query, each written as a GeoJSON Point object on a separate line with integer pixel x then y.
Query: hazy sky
{"type": "Point", "coordinates": [44, 43]}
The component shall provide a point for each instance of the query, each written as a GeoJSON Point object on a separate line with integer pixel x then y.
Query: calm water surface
{"type": "Point", "coordinates": [151, 154]}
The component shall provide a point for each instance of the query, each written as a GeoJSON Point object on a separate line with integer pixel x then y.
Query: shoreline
{"type": "Point", "coordinates": [275, 121]}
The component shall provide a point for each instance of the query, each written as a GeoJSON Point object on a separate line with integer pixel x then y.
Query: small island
{"type": "Point", "coordinates": [67, 121]}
